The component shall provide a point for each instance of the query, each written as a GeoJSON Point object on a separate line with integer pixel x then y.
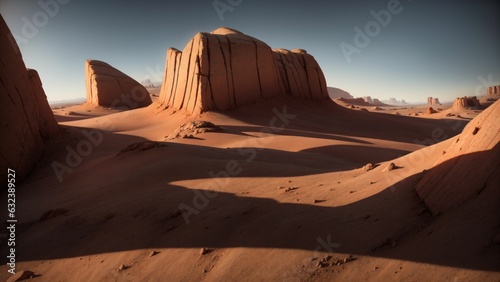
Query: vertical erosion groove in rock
{"type": "Point", "coordinates": [225, 69]}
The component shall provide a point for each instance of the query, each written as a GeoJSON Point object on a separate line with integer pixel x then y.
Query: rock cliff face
{"type": "Point", "coordinates": [225, 69]}
{"type": "Point", "coordinates": [493, 90]}
{"type": "Point", "coordinates": [109, 87]}
{"type": "Point", "coordinates": [26, 120]}
{"type": "Point", "coordinates": [433, 101]}
{"type": "Point", "coordinates": [468, 167]}
{"type": "Point", "coordinates": [466, 102]}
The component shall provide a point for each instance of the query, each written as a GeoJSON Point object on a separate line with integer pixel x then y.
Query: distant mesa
{"type": "Point", "coordinates": [493, 90]}
{"type": "Point", "coordinates": [355, 101]}
{"type": "Point", "coordinates": [225, 68]}
{"type": "Point", "coordinates": [26, 120]}
{"type": "Point", "coordinates": [374, 102]}
{"type": "Point", "coordinates": [393, 102]}
{"type": "Point", "coordinates": [109, 87]}
{"type": "Point", "coordinates": [336, 93]}
{"type": "Point", "coordinates": [463, 102]}
{"type": "Point", "coordinates": [469, 167]}
{"type": "Point", "coordinates": [433, 101]}
{"type": "Point", "coordinates": [377, 102]}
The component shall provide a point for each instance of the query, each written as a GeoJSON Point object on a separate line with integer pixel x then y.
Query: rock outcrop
{"type": "Point", "coordinates": [26, 120]}
{"type": "Point", "coordinates": [468, 167]}
{"type": "Point", "coordinates": [368, 99]}
{"type": "Point", "coordinates": [225, 69]}
{"type": "Point", "coordinates": [430, 111]}
{"type": "Point", "coordinates": [377, 102]}
{"type": "Point", "coordinates": [109, 87]}
{"type": "Point", "coordinates": [466, 102]}
{"type": "Point", "coordinates": [493, 90]}
{"type": "Point", "coordinates": [336, 93]}
{"type": "Point", "coordinates": [432, 101]}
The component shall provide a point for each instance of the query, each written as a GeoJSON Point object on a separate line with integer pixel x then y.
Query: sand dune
{"type": "Point", "coordinates": [286, 188]}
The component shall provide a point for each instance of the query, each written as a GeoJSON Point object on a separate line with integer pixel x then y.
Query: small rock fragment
{"type": "Point", "coordinates": [368, 166]}
{"type": "Point", "coordinates": [204, 251]}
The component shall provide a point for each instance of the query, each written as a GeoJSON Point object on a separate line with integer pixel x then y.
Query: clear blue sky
{"type": "Point", "coordinates": [428, 48]}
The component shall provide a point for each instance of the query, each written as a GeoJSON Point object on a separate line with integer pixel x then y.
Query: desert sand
{"type": "Point", "coordinates": [286, 188]}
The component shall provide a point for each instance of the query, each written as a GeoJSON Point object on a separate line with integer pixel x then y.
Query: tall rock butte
{"type": "Point", "coordinates": [463, 102]}
{"type": "Point", "coordinates": [432, 101]}
{"type": "Point", "coordinates": [471, 165]}
{"type": "Point", "coordinates": [225, 68]}
{"type": "Point", "coordinates": [493, 90]}
{"type": "Point", "coordinates": [108, 87]}
{"type": "Point", "coordinates": [26, 120]}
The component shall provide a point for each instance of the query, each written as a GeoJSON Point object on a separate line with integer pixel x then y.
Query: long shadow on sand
{"type": "Point", "coordinates": [328, 120]}
{"type": "Point", "coordinates": [135, 205]}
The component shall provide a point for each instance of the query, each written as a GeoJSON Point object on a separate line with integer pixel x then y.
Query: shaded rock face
{"type": "Point", "coordinates": [466, 102]}
{"type": "Point", "coordinates": [493, 90]}
{"type": "Point", "coordinates": [433, 101]}
{"type": "Point", "coordinates": [225, 69]}
{"type": "Point", "coordinates": [109, 87]}
{"type": "Point", "coordinates": [368, 99]}
{"type": "Point", "coordinates": [26, 120]}
{"type": "Point", "coordinates": [470, 166]}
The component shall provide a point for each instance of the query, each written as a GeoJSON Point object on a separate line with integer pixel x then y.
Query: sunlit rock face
{"type": "Point", "coordinates": [109, 87]}
{"type": "Point", "coordinates": [463, 102]}
{"type": "Point", "coordinates": [225, 68]}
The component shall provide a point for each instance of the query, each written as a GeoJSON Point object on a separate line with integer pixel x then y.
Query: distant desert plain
{"type": "Point", "coordinates": [244, 166]}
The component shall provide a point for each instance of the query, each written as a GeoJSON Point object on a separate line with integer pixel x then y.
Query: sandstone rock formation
{"type": "Point", "coordinates": [432, 101]}
{"type": "Point", "coordinates": [466, 102]}
{"type": "Point", "coordinates": [493, 90]}
{"type": "Point", "coordinates": [109, 87]}
{"type": "Point", "coordinates": [26, 120]}
{"type": "Point", "coordinates": [226, 68]}
{"type": "Point", "coordinates": [430, 111]}
{"type": "Point", "coordinates": [336, 93]}
{"type": "Point", "coordinates": [468, 167]}
{"type": "Point", "coordinates": [377, 102]}
{"type": "Point", "coordinates": [368, 99]}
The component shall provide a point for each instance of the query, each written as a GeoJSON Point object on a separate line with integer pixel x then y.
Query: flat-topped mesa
{"type": "Point", "coordinates": [108, 87]}
{"type": "Point", "coordinates": [26, 120]}
{"type": "Point", "coordinates": [493, 90]}
{"type": "Point", "coordinates": [433, 101]}
{"type": "Point", "coordinates": [368, 99]}
{"type": "Point", "coordinates": [463, 102]}
{"type": "Point", "coordinates": [225, 69]}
